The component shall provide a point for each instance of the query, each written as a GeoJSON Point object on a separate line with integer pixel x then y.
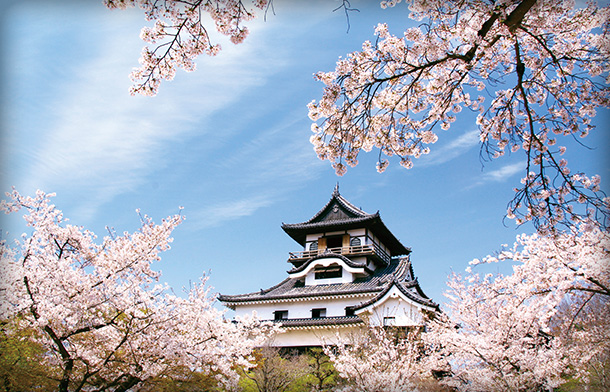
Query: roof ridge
{"type": "Point", "coordinates": [347, 204]}
{"type": "Point", "coordinates": [395, 282]}
{"type": "Point", "coordinates": [364, 218]}
{"type": "Point", "coordinates": [343, 202]}
{"type": "Point", "coordinates": [226, 298]}
{"type": "Point", "coordinates": [402, 271]}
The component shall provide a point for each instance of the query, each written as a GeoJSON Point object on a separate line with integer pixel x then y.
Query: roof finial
{"type": "Point", "coordinates": [336, 191]}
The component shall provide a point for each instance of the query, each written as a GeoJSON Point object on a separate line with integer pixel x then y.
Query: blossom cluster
{"type": "Point", "coordinates": [99, 309]}
{"type": "Point", "coordinates": [179, 35]}
{"type": "Point", "coordinates": [531, 330]}
{"type": "Point", "coordinates": [527, 330]}
{"type": "Point", "coordinates": [394, 94]}
{"type": "Point", "coordinates": [375, 362]}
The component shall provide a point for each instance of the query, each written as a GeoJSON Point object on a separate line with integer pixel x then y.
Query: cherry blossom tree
{"type": "Point", "coordinates": [372, 361]}
{"type": "Point", "coordinates": [179, 34]}
{"type": "Point", "coordinates": [543, 63]}
{"type": "Point", "coordinates": [274, 371]}
{"type": "Point", "coordinates": [99, 312]}
{"type": "Point", "coordinates": [533, 329]}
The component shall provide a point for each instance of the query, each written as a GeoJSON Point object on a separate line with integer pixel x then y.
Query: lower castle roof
{"type": "Point", "coordinates": [398, 272]}
{"type": "Point", "coordinates": [320, 322]}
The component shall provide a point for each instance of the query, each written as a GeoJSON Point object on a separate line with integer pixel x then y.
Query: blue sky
{"type": "Point", "coordinates": [230, 143]}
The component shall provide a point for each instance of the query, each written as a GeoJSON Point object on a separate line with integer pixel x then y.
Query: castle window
{"type": "Point", "coordinates": [313, 245]}
{"type": "Point", "coordinates": [355, 241]}
{"type": "Point", "coordinates": [335, 241]}
{"type": "Point", "coordinates": [280, 315]}
{"type": "Point", "coordinates": [328, 272]}
{"type": "Point", "coordinates": [318, 313]}
{"type": "Point", "coordinates": [389, 321]}
{"type": "Point", "coordinates": [349, 311]}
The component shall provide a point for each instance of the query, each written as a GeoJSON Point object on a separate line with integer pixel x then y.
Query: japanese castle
{"type": "Point", "coordinates": [351, 271]}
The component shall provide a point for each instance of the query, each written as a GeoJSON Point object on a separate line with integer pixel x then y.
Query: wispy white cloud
{"type": "Point", "coordinates": [504, 172]}
{"type": "Point", "coordinates": [451, 150]}
{"type": "Point", "coordinates": [500, 175]}
{"type": "Point", "coordinates": [267, 167]}
{"type": "Point", "coordinates": [281, 151]}
{"type": "Point", "coordinates": [103, 142]}
{"type": "Point", "coordinates": [220, 213]}
{"type": "Point", "coordinates": [95, 142]}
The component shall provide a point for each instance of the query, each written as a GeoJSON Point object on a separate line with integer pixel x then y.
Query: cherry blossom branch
{"type": "Point", "coordinates": [182, 23]}
{"type": "Point", "coordinates": [512, 332]}
{"type": "Point", "coordinates": [392, 95]}
{"type": "Point", "coordinates": [97, 313]}
{"type": "Point", "coordinates": [347, 8]}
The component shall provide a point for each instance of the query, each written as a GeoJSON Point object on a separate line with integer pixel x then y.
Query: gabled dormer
{"type": "Point", "coordinates": [341, 243]}
{"type": "Point", "coordinates": [330, 268]}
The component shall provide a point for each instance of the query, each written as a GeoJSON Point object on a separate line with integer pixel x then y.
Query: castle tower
{"type": "Point", "coordinates": [351, 270]}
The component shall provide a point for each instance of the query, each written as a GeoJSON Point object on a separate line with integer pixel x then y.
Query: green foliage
{"type": "Point", "coordinates": [598, 379]}
{"type": "Point", "coordinates": [278, 371]}
{"type": "Point", "coordinates": [273, 372]}
{"type": "Point", "coordinates": [322, 374]}
{"type": "Point", "coordinates": [181, 379]}
{"type": "Point", "coordinates": [24, 367]}
{"type": "Point", "coordinates": [22, 361]}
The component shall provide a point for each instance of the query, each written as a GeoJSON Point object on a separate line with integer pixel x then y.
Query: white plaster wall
{"type": "Point", "coordinates": [312, 337]}
{"type": "Point", "coordinates": [394, 304]}
{"type": "Point", "coordinates": [347, 275]}
{"type": "Point", "coordinates": [300, 309]}
{"type": "Point", "coordinates": [357, 232]}
{"type": "Point", "coordinates": [312, 237]}
{"type": "Point", "coordinates": [310, 278]}
{"type": "Point", "coordinates": [405, 314]}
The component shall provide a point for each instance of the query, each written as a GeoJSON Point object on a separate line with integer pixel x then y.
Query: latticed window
{"type": "Point", "coordinates": [328, 272]}
{"type": "Point", "coordinates": [313, 245]}
{"type": "Point", "coordinates": [280, 315]}
{"type": "Point", "coordinates": [355, 241]}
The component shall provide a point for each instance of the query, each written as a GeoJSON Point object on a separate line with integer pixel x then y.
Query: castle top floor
{"type": "Point", "coordinates": [342, 228]}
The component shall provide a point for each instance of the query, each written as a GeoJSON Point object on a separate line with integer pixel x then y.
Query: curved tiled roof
{"type": "Point", "coordinates": [320, 322]}
{"type": "Point", "coordinates": [375, 285]}
{"type": "Point", "coordinates": [359, 220]}
{"type": "Point", "coordinates": [347, 261]}
{"type": "Point", "coordinates": [403, 287]}
{"type": "Point", "coordinates": [340, 214]}
{"type": "Point", "coordinates": [349, 208]}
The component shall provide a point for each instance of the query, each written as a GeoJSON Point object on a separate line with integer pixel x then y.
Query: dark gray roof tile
{"type": "Point", "coordinates": [325, 255]}
{"type": "Point", "coordinates": [398, 270]}
{"type": "Point", "coordinates": [321, 321]}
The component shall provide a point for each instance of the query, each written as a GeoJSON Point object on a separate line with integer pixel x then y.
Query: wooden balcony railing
{"type": "Point", "coordinates": [359, 250]}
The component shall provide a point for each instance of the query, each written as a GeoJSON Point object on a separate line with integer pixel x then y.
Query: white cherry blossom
{"type": "Point", "coordinates": [545, 61]}
{"type": "Point", "coordinates": [99, 310]}
{"type": "Point", "coordinates": [534, 328]}
{"type": "Point", "coordinates": [179, 35]}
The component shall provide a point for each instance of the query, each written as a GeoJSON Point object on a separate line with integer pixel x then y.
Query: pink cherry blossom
{"type": "Point", "coordinates": [545, 63]}
{"type": "Point", "coordinates": [99, 310]}
{"type": "Point", "coordinates": [534, 328]}
{"type": "Point", "coordinates": [180, 36]}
